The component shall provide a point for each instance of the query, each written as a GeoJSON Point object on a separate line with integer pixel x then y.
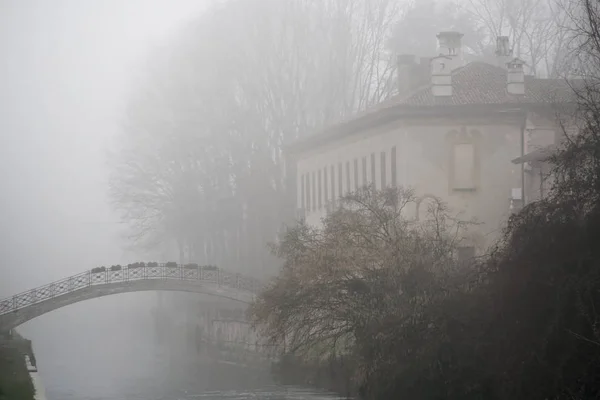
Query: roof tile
{"type": "Point", "coordinates": [482, 83]}
{"type": "Point", "coordinates": [476, 83]}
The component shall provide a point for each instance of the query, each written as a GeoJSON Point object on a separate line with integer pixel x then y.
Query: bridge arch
{"type": "Point", "coordinates": [33, 303]}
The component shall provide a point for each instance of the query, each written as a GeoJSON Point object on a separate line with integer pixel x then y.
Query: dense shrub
{"type": "Point", "coordinates": [523, 323]}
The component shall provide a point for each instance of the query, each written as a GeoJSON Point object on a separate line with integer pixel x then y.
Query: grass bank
{"type": "Point", "coordinates": [15, 381]}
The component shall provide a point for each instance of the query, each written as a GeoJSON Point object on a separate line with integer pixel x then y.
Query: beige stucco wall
{"type": "Point", "coordinates": [538, 181]}
{"type": "Point", "coordinates": [541, 132]}
{"type": "Point", "coordinates": [537, 138]}
{"type": "Point", "coordinates": [423, 163]}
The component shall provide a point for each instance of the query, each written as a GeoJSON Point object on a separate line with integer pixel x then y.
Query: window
{"type": "Point", "coordinates": [348, 190]}
{"type": "Point", "coordinates": [356, 174]}
{"type": "Point", "coordinates": [314, 192]}
{"type": "Point", "coordinates": [325, 185]}
{"type": "Point", "coordinates": [373, 175]}
{"type": "Point", "coordinates": [364, 171]}
{"type": "Point", "coordinates": [383, 171]}
{"type": "Point", "coordinates": [308, 192]}
{"type": "Point", "coordinates": [302, 198]}
{"type": "Point", "coordinates": [332, 183]}
{"type": "Point", "coordinates": [319, 186]}
{"type": "Point", "coordinates": [466, 253]}
{"type": "Point", "coordinates": [340, 181]}
{"type": "Point", "coordinates": [394, 168]}
{"type": "Point", "coordinates": [464, 166]}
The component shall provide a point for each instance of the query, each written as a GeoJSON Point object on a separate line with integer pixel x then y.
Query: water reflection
{"type": "Point", "coordinates": [105, 349]}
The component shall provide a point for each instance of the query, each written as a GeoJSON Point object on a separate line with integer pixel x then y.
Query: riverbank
{"type": "Point", "coordinates": [15, 381]}
{"type": "Point", "coordinates": [334, 375]}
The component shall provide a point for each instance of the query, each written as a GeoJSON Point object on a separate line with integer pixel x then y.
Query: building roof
{"type": "Point", "coordinates": [483, 83]}
{"type": "Point", "coordinates": [475, 84]}
{"type": "Point", "coordinates": [539, 155]}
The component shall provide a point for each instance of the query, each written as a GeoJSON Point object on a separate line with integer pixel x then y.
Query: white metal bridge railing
{"type": "Point", "coordinates": [130, 273]}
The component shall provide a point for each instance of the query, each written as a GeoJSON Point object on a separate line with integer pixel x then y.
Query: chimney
{"type": "Point", "coordinates": [503, 52]}
{"type": "Point", "coordinates": [406, 66]}
{"type": "Point", "coordinates": [411, 74]}
{"type": "Point", "coordinates": [425, 63]}
{"type": "Point", "coordinates": [450, 45]}
{"type": "Point", "coordinates": [441, 76]}
{"type": "Point", "coordinates": [515, 84]}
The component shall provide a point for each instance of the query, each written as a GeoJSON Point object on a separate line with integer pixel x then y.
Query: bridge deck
{"type": "Point", "coordinates": [90, 284]}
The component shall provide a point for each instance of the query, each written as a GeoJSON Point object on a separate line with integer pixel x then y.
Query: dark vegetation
{"type": "Point", "coordinates": [200, 162]}
{"type": "Point", "coordinates": [211, 177]}
{"type": "Point", "coordinates": [378, 286]}
{"type": "Point", "coordinates": [15, 382]}
{"type": "Point", "coordinates": [334, 375]}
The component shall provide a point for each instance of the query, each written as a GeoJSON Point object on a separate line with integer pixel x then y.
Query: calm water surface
{"type": "Point", "coordinates": [106, 349]}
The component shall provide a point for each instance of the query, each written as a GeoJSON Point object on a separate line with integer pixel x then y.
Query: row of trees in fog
{"type": "Point", "coordinates": [540, 31]}
{"type": "Point", "coordinates": [202, 158]}
{"type": "Point", "coordinates": [200, 163]}
{"type": "Point", "coordinates": [379, 296]}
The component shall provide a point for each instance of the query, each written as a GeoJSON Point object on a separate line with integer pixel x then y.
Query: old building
{"type": "Point", "coordinates": [452, 131]}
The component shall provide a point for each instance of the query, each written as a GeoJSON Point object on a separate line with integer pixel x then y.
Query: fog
{"type": "Point", "coordinates": [351, 194]}
{"type": "Point", "coordinates": [64, 78]}
{"type": "Point", "coordinates": [65, 74]}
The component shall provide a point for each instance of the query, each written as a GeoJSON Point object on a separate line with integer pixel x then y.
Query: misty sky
{"type": "Point", "coordinates": [65, 67]}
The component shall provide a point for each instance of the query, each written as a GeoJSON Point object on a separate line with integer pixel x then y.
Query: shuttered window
{"type": "Point", "coordinates": [383, 171]}
{"type": "Point", "coordinates": [394, 167]}
{"type": "Point", "coordinates": [364, 171]}
{"type": "Point", "coordinates": [308, 208]}
{"type": "Point", "coordinates": [373, 172]}
{"type": "Point", "coordinates": [348, 189]}
{"type": "Point", "coordinates": [464, 166]}
{"type": "Point", "coordinates": [325, 186]}
{"type": "Point", "coordinates": [314, 191]}
{"type": "Point", "coordinates": [340, 181]}
{"type": "Point", "coordinates": [319, 191]}
{"type": "Point", "coordinates": [356, 186]}
{"type": "Point", "coordinates": [302, 198]}
{"type": "Point", "coordinates": [332, 183]}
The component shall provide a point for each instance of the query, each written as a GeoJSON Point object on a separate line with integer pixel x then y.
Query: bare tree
{"type": "Point", "coordinates": [202, 160]}
{"type": "Point", "coordinates": [415, 33]}
{"type": "Point", "coordinates": [538, 30]}
{"type": "Point", "coordinates": [371, 262]}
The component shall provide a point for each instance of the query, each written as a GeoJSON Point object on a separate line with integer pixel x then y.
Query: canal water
{"type": "Point", "coordinates": [106, 349]}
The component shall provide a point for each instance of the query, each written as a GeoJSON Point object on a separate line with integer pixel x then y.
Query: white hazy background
{"type": "Point", "coordinates": [66, 67]}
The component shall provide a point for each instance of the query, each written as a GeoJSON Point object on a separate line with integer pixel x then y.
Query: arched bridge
{"type": "Point", "coordinates": [99, 282]}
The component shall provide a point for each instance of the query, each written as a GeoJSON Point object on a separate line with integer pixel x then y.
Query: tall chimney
{"type": "Point", "coordinates": [406, 65]}
{"type": "Point", "coordinates": [450, 45]}
{"type": "Point", "coordinates": [441, 76]}
{"type": "Point", "coordinates": [515, 84]}
{"type": "Point", "coordinates": [503, 52]}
